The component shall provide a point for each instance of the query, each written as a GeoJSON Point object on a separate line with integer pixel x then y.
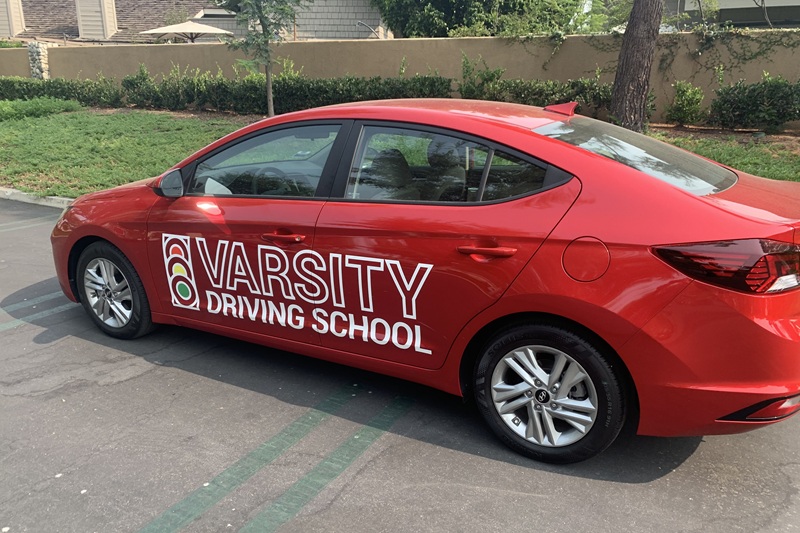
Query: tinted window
{"type": "Point", "coordinates": [287, 162]}
{"type": "Point", "coordinates": [411, 165]}
{"type": "Point", "coordinates": [510, 176]}
{"type": "Point", "coordinates": [657, 159]}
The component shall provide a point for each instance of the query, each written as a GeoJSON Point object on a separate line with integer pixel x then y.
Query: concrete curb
{"type": "Point", "coordinates": [48, 201]}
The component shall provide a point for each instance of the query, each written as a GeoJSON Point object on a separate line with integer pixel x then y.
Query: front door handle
{"type": "Point", "coordinates": [284, 237]}
{"type": "Point", "coordinates": [492, 251]}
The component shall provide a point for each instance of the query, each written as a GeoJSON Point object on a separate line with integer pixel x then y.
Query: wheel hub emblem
{"type": "Point", "coordinates": [542, 396]}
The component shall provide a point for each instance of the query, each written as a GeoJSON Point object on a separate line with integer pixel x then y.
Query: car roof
{"type": "Point", "coordinates": [436, 111]}
{"type": "Point", "coordinates": [452, 113]}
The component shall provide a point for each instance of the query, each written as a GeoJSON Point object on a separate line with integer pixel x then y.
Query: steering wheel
{"type": "Point", "coordinates": [266, 172]}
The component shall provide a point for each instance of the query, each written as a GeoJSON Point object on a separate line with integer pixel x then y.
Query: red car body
{"type": "Point", "coordinates": [413, 289]}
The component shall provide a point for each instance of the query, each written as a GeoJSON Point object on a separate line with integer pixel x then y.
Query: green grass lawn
{"type": "Point", "coordinates": [779, 158]}
{"type": "Point", "coordinates": [69, 154]}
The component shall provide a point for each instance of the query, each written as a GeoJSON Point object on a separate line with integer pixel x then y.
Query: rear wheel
{"type": "Point", "coordinates": [548, 393]}
{"type": "Point", "coordinates": [112, 293]}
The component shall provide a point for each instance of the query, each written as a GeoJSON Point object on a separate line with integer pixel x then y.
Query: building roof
{"type": "Point", "coordinates": [58, 19]}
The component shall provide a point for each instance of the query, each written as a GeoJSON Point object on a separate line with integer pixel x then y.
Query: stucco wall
{"type": "Point", "coordinates": [14, 62]}
{"type": "Point", "coordinates": [541, 58]}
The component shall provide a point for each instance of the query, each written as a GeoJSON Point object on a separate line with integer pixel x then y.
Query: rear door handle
{"type": "Point", "coordinates": [283, 237]}
{"type": "Point", "coordinates": [494, 251]}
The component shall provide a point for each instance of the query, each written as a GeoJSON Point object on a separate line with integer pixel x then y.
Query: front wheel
{"type": "Point", "coordinates": [112, 293]}
{"type": "Point", "coordinates": [549, 394]}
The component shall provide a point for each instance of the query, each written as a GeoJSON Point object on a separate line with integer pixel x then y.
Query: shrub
{"type": "Point", "coordinates": [101, 92]}
{"type": "Point", "coordinates": [687, 107]}
{"type": "Point", "coordinates": [36, 107]}
{"type": "Point", "coordinates": [477, 79]}
{"type": "Point", "coordinates": [140, 89]}
{"type": "Point", "coordinates": [767, 104]}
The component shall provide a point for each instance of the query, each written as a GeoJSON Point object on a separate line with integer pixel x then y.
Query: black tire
{"type": "Point", "coordinates": [535, 408]}
{"type": "Point", "coordinates": [112, 293]}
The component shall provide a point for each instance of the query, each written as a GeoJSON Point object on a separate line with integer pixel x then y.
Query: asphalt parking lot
{"type": "Point", "coordinates": [186, 431]}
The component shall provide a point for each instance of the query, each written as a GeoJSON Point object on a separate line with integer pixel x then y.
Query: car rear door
{"type": "Point", "coordinates": [223, 254]}
{"type": "Point", "coordinates": [417, 247]}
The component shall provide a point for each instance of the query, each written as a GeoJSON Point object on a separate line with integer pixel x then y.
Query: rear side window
{"type": "Point", "coordinates": [410, 165]}
{"type": "Point", "coordinates": [655, 158]}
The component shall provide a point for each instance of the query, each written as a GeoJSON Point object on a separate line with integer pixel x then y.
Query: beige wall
{"type": "Point", "coordinates": [579, 56]}
{"type": "Point", "coordinates": [14, 62]}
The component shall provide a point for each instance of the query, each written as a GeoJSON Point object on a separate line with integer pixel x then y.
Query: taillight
{"type": "Point", "coordinates": [751, 265]}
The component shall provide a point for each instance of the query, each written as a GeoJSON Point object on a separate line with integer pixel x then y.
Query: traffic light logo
{"type": "Point", "coordinates": [178, 262]}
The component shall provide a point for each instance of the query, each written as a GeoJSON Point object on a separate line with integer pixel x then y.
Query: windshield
{"type": "Point", "coordinates": [655, 158]}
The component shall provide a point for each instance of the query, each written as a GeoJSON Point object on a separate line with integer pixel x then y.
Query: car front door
{"type": "Point", "coordinates": [429, 229]}
{"type": "Point", "coordinates": [224, 253]}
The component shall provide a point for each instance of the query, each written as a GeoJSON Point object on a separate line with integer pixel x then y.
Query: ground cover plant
{"type": "Point", "coordinates": [71, 154]}
{"type": "Point", "coordinates": [74, 153]}
{"type": "Point", "coordinates": [38, 107]}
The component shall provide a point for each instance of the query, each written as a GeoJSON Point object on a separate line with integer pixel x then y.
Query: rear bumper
{"type": "Point", "coordinates": [713, 358]}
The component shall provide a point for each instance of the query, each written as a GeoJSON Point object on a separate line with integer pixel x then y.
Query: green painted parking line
{"type": "Point", "coordinates": [36, 316]}
{"type": "Point", "coordinates": [33, 301]}
{"type": "Point", "coordinates": [293, 500]}
{"type": "Point", "coordinates": [190, 508]}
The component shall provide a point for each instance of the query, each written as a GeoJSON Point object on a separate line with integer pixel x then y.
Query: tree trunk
{"type": "Point", "coordinates": [763, 5]}
{"type": "Point", "coordinates": [632, 81]}
{"type": "Point", "coordinates": [270, 106]}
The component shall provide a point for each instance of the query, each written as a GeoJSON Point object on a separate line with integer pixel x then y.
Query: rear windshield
{"type": "Point", "coordinates": [660, 160]}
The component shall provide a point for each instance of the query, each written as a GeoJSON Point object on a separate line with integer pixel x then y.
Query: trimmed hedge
{"type": "Point", "coordinates": [180, 90]}
{"type": "Point", "coordinates": [767, 104]}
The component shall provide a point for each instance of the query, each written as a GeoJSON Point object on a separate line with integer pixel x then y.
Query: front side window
{"type": "Point", "coordinates": [287, 162]}
{"type": "Point", "coordinates": [400, 164]}
{"type": "Point", "coordinates": [657, 159]}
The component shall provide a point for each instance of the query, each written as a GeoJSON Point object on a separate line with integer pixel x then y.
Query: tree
{"type": "Point", "coordinates": [632, 81]}
{"type": "Point", "coordinates": [763, 5]}
{"type": "Point", "coordinates": [264, 20]}
{"type": "Point", "coordinates": [440, 18]}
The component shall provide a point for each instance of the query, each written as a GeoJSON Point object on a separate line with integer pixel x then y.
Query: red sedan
{"type": "Point", "coordinates": [567, 274]}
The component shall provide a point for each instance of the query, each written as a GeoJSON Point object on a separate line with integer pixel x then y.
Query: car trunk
{"type": "Point", "coordinates": [764, 199]}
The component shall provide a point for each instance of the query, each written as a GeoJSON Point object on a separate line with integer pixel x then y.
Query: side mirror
{"type": "Point", "coordinates": [171, 185]}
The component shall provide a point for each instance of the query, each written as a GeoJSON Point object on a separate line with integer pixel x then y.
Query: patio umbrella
{"type": "Point", "coordinates": [188, 30]}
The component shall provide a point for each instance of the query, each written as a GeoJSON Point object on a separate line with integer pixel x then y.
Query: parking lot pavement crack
{"type": "Point", "coordinates": [56, 380]}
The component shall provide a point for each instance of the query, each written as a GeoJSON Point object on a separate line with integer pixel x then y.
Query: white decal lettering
{"type": "Point", "coordinates": [404, 339]}
{"type": "Point", "coordinates": [334, 316]}
{"type": "Point", "coordinates": [239, 270]}
{"type": "Point", "coordinates": [408, 287]}
{"type": "Point", "coordinates": [363, 327]}
{"type": "Point", "coordinates": [337, 286]}
{"type": "Point", "coordinates": [215, 269]}
{"type": "Point", "coordinates": [320, 326]}
{"type": "Point", "coordinates": [387, 332]}
{"type": "Point", "coordinates": [364, 278]}
{"type": "Point", "coordinates": [215, 307]}
{"type": "Point", "coordinates": [273, 266]}
{"type": "Point", "coordinates": [313, 290]}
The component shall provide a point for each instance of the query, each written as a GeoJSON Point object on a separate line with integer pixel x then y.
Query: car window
{"type": "Point", "coordinates": [287, 162]}
{"type": "Point", "coordinates": [409, 165]}
{"type": "Point", "coordinates": [510, 176]}
{"type": "Point", "coordinates": [659, 160]}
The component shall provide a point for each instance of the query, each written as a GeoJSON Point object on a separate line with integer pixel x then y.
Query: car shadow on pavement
{"type": "Point", "coordinates": [436, 418]}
